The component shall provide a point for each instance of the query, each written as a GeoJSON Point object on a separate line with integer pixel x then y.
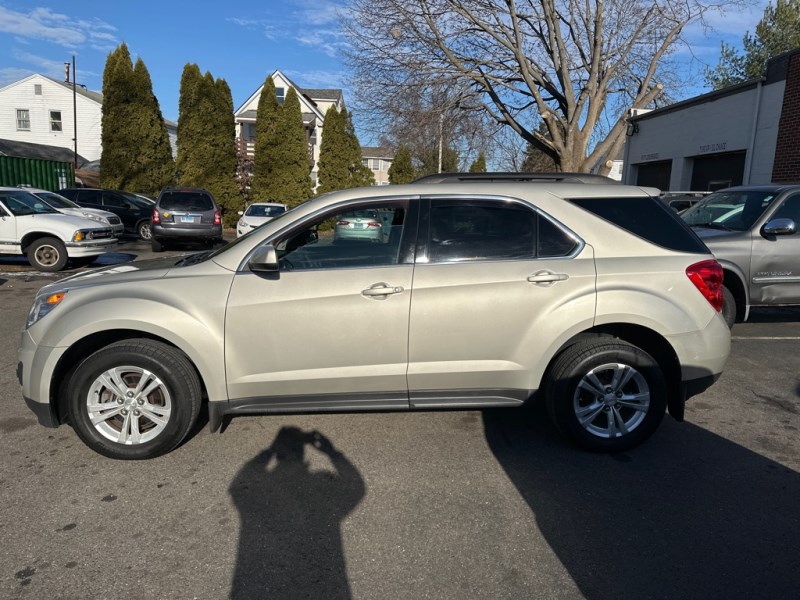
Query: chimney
{"type": "Point", "coordinates": [66, 72]}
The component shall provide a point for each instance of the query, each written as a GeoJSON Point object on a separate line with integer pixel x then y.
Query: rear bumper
{"type": "Point", "coordinates": [210, 232]}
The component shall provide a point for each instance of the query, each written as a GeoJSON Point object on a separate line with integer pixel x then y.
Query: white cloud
{"type": "Point", "coordinates": [63, 30]}
{"type": "Point", "coordinates": [12, 74]}
{"type": "Point", "coordinates": [317, 79]}
{"type": "Point", "coordinates": [43, 65]}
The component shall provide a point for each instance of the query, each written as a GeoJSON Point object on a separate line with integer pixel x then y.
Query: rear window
{"type": "Point", "coordinates": [185, 201]}
{"type": "Point", "coordinates": [646, 218]}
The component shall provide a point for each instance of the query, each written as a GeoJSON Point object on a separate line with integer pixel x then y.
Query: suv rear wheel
{"type": "Point", "coordinates": [606, 396]}
{"type": "Point", "coordinates": [134, 399]}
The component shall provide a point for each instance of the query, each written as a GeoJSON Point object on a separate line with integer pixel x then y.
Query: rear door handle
{"type": "Point", "coordinates": [547, 277]}
{"type": "Point", "coordinates": [379, 291]}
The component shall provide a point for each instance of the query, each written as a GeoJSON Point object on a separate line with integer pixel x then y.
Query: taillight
{"type": "Point", "coordinates": [342, 223]}
{"type": "Point", "coordinates": [156, 218]}
{"type": "Point", "coordinates": [708, 278]}
{"type": "Point", "coordinates": [217, 218]}
{"type": "Point", "coordinates": [373, 224]}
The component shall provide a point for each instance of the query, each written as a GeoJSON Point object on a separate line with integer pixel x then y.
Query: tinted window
{"type": "Point", "coordinates": [341, 240]}
{"type": "Point", "coordinates": [56, 201]}
{"type": "Point", "coordinates": [646, 218]}
{"type": "Point", "coordinates": [89, 196]}
{"type": "Point", "coordinates": [115, 200]}
{"type": "Point", "coordinates": [185, 201]}
{"type": "Point", "coordinates": [481, 230]}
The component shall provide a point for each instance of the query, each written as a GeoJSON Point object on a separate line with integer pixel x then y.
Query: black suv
{"type": "Point", "coordinates": [185, 215]}
{"type": "Point", "coordinates": [132, 210]}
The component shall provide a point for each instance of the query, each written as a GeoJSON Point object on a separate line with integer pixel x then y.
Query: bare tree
{"type": "Point", "coordinates": [573, 67]}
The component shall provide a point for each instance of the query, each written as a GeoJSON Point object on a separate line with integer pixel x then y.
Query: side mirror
{"type": "Point", "coordinates": [265, 260]}
{"type": "Point", "coordinates": [779, 227]}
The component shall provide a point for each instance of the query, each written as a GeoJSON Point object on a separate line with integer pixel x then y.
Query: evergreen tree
{"type": "Point", "coordinates": [136, 154]}
{"type": "Point", "coordinates": [206, 139]}
{"type": "Point", "coordinates": [778, 31]}
{"type": "Point", "coordinates": [333, 172]}
{"type": "Point", "coordinates": [358, 174]}
{"type": "Point", "coordinates": [267, 115]}
{"type": "Point", "coordinates": [286, 153]}
{"type": "Point", "coordinates": [402, 169]}
{"type": "Point", "coordinates": [428, 159]}
{"type": "Point", "coordinates": [479, 166]}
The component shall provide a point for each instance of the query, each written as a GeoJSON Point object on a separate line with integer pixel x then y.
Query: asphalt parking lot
{"type": "Point", "coordinates": [476, 504]}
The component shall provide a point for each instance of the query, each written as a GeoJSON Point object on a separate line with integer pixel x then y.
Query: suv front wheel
{"type": "Point", "coordinates": [134, 399]}
{"type": "Point", "coordinates": [606, 396]}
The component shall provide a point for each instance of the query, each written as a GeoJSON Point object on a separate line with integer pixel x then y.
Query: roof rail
{"type": "Point", "coordinates": [508, 177]}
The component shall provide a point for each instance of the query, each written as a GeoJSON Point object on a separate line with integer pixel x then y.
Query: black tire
{"type": "Point", "coordinates": [156, 245]}
{"type": "Point", "coordinates": [47, 254]}
{"type": "Point", "coordinates": [599, 360]}
{"type": "Point", "coordinates": [173, 403]}
{"type": "Point", "coordinates": [144, 231]}
{"type": "Point", "coordinates": [729, 307]}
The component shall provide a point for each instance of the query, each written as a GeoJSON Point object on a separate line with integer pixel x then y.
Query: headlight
{"type": "Point", "coordinates": [43, 304]}
{"type": "Point", "coordinates": [97, 218]}
{"type": "Point", "coordinates": [83, 234]}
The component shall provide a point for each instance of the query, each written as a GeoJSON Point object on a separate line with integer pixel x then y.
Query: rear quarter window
{"type": "Point", "coordinates": [647, 218]}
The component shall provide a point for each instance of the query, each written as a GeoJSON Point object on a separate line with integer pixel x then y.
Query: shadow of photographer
{"type": "Point", "coordinates": [290, 541]}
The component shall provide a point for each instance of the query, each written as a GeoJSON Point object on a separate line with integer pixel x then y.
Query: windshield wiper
{"type": "Point", "coordinates": [193, 259]}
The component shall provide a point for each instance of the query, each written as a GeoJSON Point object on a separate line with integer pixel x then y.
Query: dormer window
{"type": "Point", "coordinates": [280, 93]}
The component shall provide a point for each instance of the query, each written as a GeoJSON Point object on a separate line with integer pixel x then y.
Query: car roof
{"type": "Point", "coordinates": [516, 177]}
{"type": "Point", "coordinates": [769, 187]}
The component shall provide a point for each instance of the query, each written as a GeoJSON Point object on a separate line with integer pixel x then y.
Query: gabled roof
{"type": "Point", "coordinates": [311, 95]}
{"type": "Point", "coordinates": [29, 150]}
{"type": "Point", "coordinates": [80, 90]}
{"type": "Point", "coordinates": [375, 152]}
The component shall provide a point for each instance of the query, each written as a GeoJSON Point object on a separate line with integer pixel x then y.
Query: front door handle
{"type": "Point", "coordinates": [379, 291]}
{"type": "Point", "coordinates": [547, 277]}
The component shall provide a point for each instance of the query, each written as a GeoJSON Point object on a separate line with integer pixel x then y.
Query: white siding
{"type": "Point", "coordinates": [54, 97]}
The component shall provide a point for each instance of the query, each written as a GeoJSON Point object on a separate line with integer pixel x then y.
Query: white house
{"type": "Point", "coordinates": [39, 110]}
{"type": "Point", "coordinates": [379, 160]}
{"type": "Point", "coordinates": [314, 103]}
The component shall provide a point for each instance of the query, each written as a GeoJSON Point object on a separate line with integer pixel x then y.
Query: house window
{"type": "Point", "coordinates": [280, 93]}
{"type": "Point", "coordinates": [23, 119]}
{"type": "Point", "coordinates": [365, 162]}
{"type": "Point", "coordinates": [55, 120]}
{"type": "Point", "coordinates": [37, 89]}
{"type": "Point", "coordinates": [376, 164]}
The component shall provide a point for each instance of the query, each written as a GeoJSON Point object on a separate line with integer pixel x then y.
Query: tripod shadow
{"type": "Point", "coordinates": [290, 542]}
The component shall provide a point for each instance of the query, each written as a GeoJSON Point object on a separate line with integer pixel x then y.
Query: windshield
{"type": "Point", "coordinates": [263, 210]}
{"type": "Point", "coordinates": [25, 203]}
{"type": "Point", "coordinates": [733, 210]}
{"type": "Point", "coordinates": [185, 201]}
{"type": "Point", "coordinates": [56, 201]}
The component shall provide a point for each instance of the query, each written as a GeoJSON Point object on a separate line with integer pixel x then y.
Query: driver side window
{"type": "Point", "coordinates": [357, 236]}
{"type": "Point", "coordinates": [790, 209]}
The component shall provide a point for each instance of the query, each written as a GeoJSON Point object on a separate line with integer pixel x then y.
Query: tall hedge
{"type": "Point", "coordinates": [402, 168]}
{"type": "Point", "coordinates": [136, 154]}
{"type": "Point", "coordinates": [267, 114]}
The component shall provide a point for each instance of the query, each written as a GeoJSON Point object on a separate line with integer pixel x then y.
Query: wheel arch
{"type": "Point", "coordinates": [90, 344]}
{"type": "Point", "coordinates": [644, 338]}
{"type": "Point", "coordinates": [30, 237]}
{"type": "Point", "coordinates": [734, 281]}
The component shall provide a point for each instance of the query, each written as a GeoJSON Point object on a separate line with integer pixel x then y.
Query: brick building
{"type": "Point", "coordinates": [745, 133]}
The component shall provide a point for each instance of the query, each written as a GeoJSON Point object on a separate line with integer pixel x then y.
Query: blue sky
{"type": "Point", "coordinates": [241, 43]}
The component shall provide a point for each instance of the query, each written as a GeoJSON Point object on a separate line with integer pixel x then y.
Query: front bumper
{"type": "Point", "coordinates": [91, 248]}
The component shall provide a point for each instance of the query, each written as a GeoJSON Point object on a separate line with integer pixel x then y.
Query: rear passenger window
{"type": "Point", "coordinates": [484, 230]}
{"type": "Point", "coordinates": [647, 218]}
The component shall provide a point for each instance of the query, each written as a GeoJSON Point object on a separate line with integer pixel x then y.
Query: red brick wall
{"type": "Point", "coordinates": [786, 167]}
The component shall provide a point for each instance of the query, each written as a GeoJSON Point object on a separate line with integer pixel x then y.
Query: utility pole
{"type": "Point", "coordinates": [75, 109]}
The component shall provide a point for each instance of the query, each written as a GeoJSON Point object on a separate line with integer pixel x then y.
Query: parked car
{"type": "Point", "coordinates": [257, 214]}
{"type": "Point", "coordinates": [680, 201]}
{"type": "Point", "coordinates": [68, 207]}
{"type": "Point", "coordinates": [133, 211]}
{"type": "Point", "coordinates": [752, 230]}
{"type": "Point", "coordinates": [365, 224]}
{"type": "Point", "coordinates": [30, 227]}
{"type": "Point", "coordinates": [185, 215]}
{"type": "Point", "coordinates": [595, 298]}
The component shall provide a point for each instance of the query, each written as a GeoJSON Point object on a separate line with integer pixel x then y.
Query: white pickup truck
{"type": "Point", "coordinates": [29, 227]}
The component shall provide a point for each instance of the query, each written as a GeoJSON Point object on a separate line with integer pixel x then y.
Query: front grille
{"type": "Point", "coordinates": [99, 234]}
{"type": "Point", "coordinates": [114, 220]}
